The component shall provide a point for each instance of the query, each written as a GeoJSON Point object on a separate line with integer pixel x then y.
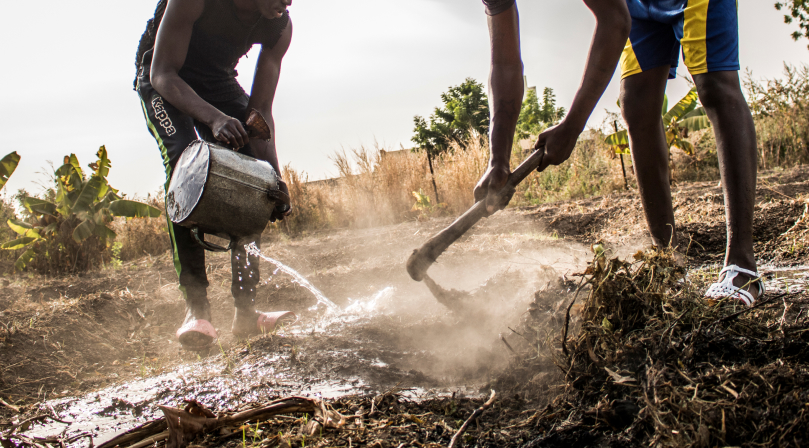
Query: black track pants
{"type": "Point", "coordinates": [174, 131]}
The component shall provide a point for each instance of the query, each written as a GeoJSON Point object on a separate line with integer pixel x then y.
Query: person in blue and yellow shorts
{"type": "Point", "coordinates": [706, 32]}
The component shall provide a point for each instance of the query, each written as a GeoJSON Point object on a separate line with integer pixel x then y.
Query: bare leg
{"type": "Point", "coordinates": [641, 103]}
{"type": "Point", "coordinates": [735, 132]}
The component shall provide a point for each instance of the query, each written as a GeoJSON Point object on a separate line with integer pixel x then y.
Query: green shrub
{"type": "Point", "coordinates": [69, 231]}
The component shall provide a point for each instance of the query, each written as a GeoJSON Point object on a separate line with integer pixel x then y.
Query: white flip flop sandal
{"type": "Point", "coordinates": [726, 288]}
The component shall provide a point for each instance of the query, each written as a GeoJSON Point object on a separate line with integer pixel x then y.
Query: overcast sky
{"type": "Point", "coordinates": [356, 72]}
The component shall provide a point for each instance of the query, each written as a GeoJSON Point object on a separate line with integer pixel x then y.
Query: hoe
{"type": "Point", "coordinates": [424, 257]}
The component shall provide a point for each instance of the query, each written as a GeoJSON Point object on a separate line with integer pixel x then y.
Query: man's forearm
{"type": "Point", "coordinates": [507, 92]}
{"type": "Point", "coordinates": [612, 31]}
{"type": "Point", "coordinates": [505, 83]}
{"type": "Point", "coordinates": [265, 150]}
{"type": "Point", "coordinates": [183, 97]}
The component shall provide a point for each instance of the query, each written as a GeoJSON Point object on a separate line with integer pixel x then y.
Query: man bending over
{"type": "Point", "coordinates": [707, 31]}
{"type": "Point", "coordinates": [187, 84]}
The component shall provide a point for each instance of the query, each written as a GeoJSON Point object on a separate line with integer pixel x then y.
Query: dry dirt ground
{"type": "Point", "coordinates": [100, 349]}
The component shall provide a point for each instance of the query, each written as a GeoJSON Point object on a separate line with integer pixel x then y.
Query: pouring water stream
{"type": "Point", "coordinates": [252, 249]}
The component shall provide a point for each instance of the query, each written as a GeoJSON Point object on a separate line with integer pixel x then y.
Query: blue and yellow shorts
{"type": "Point", "coordinates": [707, 31]}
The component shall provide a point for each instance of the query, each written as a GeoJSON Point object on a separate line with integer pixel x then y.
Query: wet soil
{"type": "Point", "coordinates": [100, 348]}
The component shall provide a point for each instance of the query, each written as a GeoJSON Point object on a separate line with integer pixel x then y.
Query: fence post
{"type": "Point", "coordinates": [621, 155]}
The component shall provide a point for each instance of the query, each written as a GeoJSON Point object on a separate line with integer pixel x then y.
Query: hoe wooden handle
{"type": "Point", "coordinates": [423, 257]}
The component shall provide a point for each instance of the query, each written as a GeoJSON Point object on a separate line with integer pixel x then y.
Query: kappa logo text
{"type": "Point", "coordinates": [161, 114]}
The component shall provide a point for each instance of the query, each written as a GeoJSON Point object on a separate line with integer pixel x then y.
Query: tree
{"type": "Point", "coordinates": [798, 11]}
{"type": "Point", "coordinates": [465, 114]}
{"type": "Point", "coordinates": [535, 117]}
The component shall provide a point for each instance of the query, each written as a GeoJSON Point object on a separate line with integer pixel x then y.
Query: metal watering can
{"type": "Point", "coordinates": [217, 191]}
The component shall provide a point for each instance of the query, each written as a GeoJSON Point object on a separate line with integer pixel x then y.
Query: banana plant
{"type": "Point", "coordinates": [686, 116]}
{"type": "Point", "coordinates": [84, 205]}
{"type": "Point", "coordinates": [7, 167]}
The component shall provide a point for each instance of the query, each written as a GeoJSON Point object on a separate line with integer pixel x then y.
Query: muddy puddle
{"type": "Point", "coordinates": [791, 280]}
{"type": "Point", "coordinates": [395, 336]}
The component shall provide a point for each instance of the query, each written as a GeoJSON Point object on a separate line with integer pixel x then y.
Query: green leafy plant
{"type": "Point", "coordinates": [7, 167]}
{"type": "Point", "coordinates": [71, 232]}
{"type": "Point", "coordinates": [686, 116]}
{"type": "Point", "coordinates": [422, 201]}
{"type": "Point", "coordinates": [115, 261]}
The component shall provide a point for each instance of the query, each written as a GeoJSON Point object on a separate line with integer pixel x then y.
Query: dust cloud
{"type": "Point", "coordinates": [402, 327]}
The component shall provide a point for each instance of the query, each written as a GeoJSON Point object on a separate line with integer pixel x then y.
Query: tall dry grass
{"type": "Point", "coordinates": [376, 187]}
{"type": "Point", "coordinates": [781, 111]}
{"type": "Point", "coordinates": [140, 237]}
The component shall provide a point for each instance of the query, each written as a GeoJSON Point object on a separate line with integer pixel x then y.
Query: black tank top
{"type": "Point", "coordinates": [218, 41]}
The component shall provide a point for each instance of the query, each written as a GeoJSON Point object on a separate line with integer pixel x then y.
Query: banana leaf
{"type": "Point", "coordinates": [23, 228]}
{"type": "Point", "coordinates": [133, 209]}
{"type": "Point", "coordinates": [70, 178]}
{"type": "Point", "coordinates": [40, 207]}
{"type": "Point", "coordinates": [73, 161]}
{"type": "Point", "coordinates": [684, 106]}
{"type": "Point", "coordinates": [618, 139]}
{"type": "Point", "coordinates": [7, 167]}
{"type": "Point", "coordinates": [105, 233]}
{"type": "Point", "coordinates": [695, 120]}
{"type": "Point", "coordinates": [109, 198]}
{"type": "Point", "coordinates": [675, 140]}
{"type": "Point", "coordinates": [89, 194]}
{"type": "Point", "coordinates": [685, 145]}
{"type": "Point", "coordinates": [84, 230]}
{"type": "Point", "coordinates": [49, 229]}
{"type": "Point", "coordinates": [24, 259]}
{"type": "Point", "coordinates": [698, 112]}
{"type": "Point", "coordinates": [19, 243]}
{"type": "Point", "coordinates": [102, 166]}
{"type": "Point", "coordinates": [103, 188]}
{"type": "Point", "coordinates": [695, 123]}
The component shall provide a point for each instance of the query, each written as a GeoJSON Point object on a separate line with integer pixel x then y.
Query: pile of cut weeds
{"type": "Point", "coordinates": [655, 364]}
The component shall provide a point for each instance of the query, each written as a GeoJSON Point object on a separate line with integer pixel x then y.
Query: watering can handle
{"type": "Point", "coordinates": [209, 246]}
